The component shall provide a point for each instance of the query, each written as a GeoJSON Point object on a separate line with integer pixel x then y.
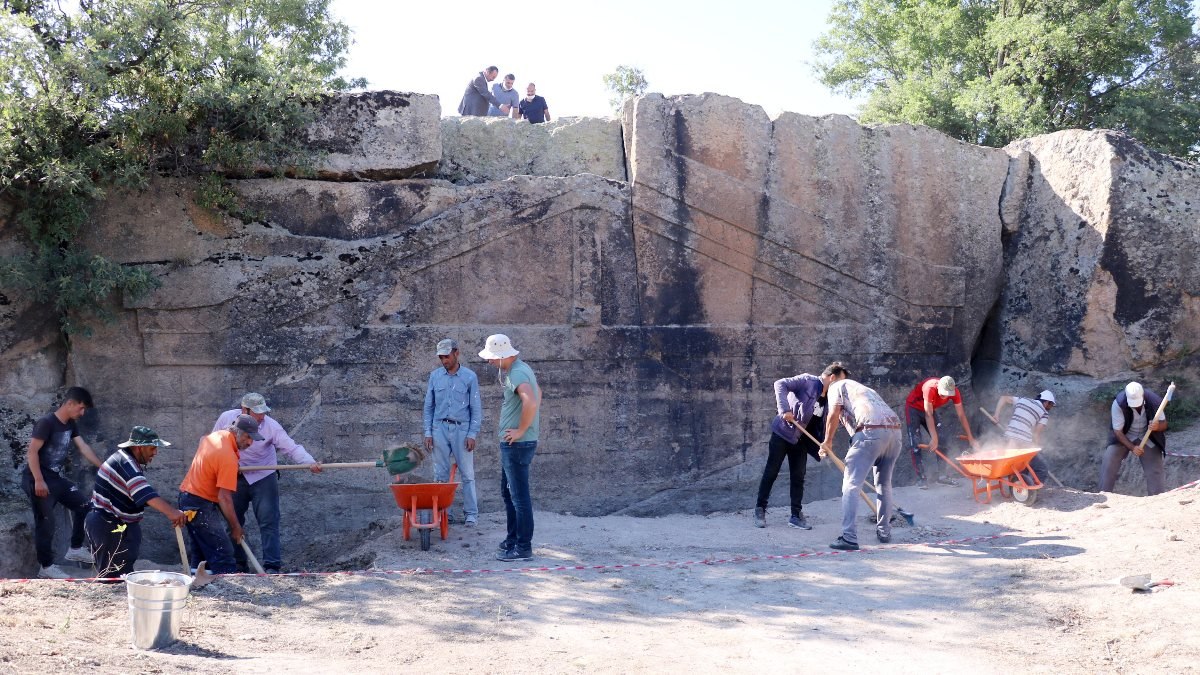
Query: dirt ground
{"type": "Point", "coordinates": [1026, 588]}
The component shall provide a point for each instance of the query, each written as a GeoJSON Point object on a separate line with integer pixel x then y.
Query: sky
{"type": "Point", "coordinates": [755, 50]}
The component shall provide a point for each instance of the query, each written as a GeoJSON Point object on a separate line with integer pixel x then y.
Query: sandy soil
{"type": "Point", "coordinates": [1039, 596]}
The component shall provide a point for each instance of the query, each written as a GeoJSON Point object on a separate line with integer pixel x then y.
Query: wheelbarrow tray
{"type": "Point", "coordinates": [432, 499]}
{"type": "Point", "coordinates": [1004, 470]}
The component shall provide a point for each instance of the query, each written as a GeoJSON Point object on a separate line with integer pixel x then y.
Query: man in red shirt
{"type": "Point", "coordinates": [920, 410]}
{"type": "Point", "coordinates": [208, 490]}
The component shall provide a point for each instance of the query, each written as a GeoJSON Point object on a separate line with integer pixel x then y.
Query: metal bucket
{"type": "Point", "coordinates": [156, 602]}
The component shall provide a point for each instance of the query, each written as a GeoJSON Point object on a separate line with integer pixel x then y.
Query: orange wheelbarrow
{"type": "Point", "coordinates": [426, 506]}
{"type": "Point", "coordinates": [1005, 470]}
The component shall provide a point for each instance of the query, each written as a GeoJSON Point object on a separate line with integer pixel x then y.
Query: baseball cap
{"type": "Point", "coordinates": [446, 346]}
{"type": "Point", "coordinates": [255, 403]}
{"type": "Point", "coordinates": [142, 436]}
{"type": "Point", "coordinates": [946, 386]}
{"type": "Point", "coordinates": [248, 425]}
{"type": "Point", "coordinates": [1134, 395]}
{"type": "Point", "coordinates": [1047, 396]}
{"type": "Point", "coordinates": [498, 346]}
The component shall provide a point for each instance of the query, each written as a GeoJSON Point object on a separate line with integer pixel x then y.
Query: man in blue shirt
{"type": "Point", "coordinates": [800, 403]}
{"type": "Point", "coordinates": [533, 107]}
{"type": "Point", "coordinates": [452, 417]}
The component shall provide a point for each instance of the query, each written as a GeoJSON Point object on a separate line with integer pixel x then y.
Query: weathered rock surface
{"type": "Point", "coordinates": [479, 149]}
{"type": "Point", "coordinates": [377, 135]}
{"type": "Point", "coordinates": [1100, 248]}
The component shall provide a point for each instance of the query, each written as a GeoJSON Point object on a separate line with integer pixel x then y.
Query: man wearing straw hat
{"type": "Point", "coordinates": [261, 488]}
{"type": "Point", "coordinates": [519, 424]}
{"type": "Point", "coordinates": [114, 523]}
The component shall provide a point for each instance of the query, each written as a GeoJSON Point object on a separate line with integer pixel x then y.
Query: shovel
{"type": "Point", "coordinates": [906, 515]}
{"type": "Point", "coordinates": [1141, 583]}
{"type": "Point", "coordinates": [202, 578]}
{"type": "Point", "coordinates": [397, 461]}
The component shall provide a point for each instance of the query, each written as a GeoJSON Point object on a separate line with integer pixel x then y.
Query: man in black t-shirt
{"type": "Point", "coordinates": [43, 480]}
{"type": "Point", "coordinates": [533, 107]}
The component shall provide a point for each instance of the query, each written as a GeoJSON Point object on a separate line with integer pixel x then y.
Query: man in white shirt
{"type": "Point", "coordinates": [1129, 418]}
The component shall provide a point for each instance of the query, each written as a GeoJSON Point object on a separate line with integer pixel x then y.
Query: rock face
{"type": "Point", "coordinates": [1100, 241]}
{"type": "Point", "coordinates": [479, 149]}
{"type": "Point", "coordinates": [378, 135]}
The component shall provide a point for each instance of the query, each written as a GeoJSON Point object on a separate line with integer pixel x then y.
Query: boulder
{"type": "Point", "coordinates": [377, 135]}
{"type": "Point", "coordinates": [1100, 235]}
{"type": "Point", "coordinates": [478, 149]}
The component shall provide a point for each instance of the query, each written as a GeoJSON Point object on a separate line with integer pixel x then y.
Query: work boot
{"type": "Point", "coordinates": [53, 572]}
{"type": "Point", "coordinates": [80, 555]}
{"type": "Point", "coordinates": [798, 521]}
{"type": "Point", "coordinates": [842, 545]}
{"type": "Point", "coordinates": [760, 516]}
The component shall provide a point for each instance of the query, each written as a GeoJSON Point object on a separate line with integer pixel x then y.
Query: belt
{"type": "Point", "coordinates": [863, 427]}
{"type": "Point", "coordinates": [447, 419]}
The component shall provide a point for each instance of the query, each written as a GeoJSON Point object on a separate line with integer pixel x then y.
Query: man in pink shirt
{"type": "Point", "coordinates": [261, 488]}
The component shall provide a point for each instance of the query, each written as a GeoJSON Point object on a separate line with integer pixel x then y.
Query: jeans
{"type": "Point", "coordinates": [514, 487]}
{"type": "Point", "coordinates": [876, 450]}
{"type": "Point", "coordinates": [210, 539]}
{"type": "Point", "coordinates": [797, 458]}
{"type": "Point", "coordinates": [264, 495]}
{"type": "Point", "coordinates": [915, 422]}
{"type": "Point", "coordinates": [114, 548]}
{"type": "Point", "coordinates": [62, 491]}
{"type": "Point", "coordinates": [450, 441]}
{"type": "Point", "coordinates": [1152, 467]}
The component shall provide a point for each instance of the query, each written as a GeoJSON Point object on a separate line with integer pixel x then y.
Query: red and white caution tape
{"type": "Point", "coordinates": [570, 568]}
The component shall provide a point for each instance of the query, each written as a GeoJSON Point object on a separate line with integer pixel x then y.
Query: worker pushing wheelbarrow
{"type": "Point", "coordinates": [1005, 470]}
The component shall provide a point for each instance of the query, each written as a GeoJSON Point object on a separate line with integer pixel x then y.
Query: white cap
{"type": "Point", "coordinates": [1134, 395]}
{"type": "Point", "coordinates": [498, 346]}
{"type": "Point", "coordinates": [946, 386]}
{"type": "Point", "coordinates": [1047, 396]}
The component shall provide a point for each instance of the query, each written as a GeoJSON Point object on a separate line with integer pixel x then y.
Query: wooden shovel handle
{"type": "Point", "coordinates": [1150, 422]}
{"type": "Point", "coordinates": [331, 465]}
{"type": "Point", "coordinates": [842, 466]}
{"type": "Point", "coordinates": [250, 556]}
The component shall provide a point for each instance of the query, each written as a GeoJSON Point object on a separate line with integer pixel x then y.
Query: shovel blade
{"type": "Point", "coordinates": [202, 578]}
{"type": "Point", "coordinates": [1138, 582]}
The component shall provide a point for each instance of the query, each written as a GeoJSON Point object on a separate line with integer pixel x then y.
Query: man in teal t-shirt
{"type": "Point", "coordinates": [520, 417]}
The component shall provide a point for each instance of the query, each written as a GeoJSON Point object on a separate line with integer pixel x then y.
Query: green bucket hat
{"type": "Point", "coordinates": [141, 436]}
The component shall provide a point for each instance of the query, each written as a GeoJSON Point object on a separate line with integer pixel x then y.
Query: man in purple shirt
{"type": "Point", "coordinates": [261, 488]}
{"type": "Point", "coordinates": [800, 403]}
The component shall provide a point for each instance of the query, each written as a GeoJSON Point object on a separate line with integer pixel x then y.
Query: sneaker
{"type": "Point", "coordinates": [760, 517]}
{"type": "Point", "coordinates": [53, 572]}
{"type": "Point", "coordinates": [883, 538]}
{"type": "Point", "coordinates": [514, 554]}
{"type": "Point", "coordinates": [947, 480]}
{"type": "Point", "coordinates": [272, 569]}
{"type": "Point", "coordinates": [80, 555]}
{"type": "Point", "coordinates": [842, 545]}
{"type": "Point", "coordinates": [799, 522]}
{"type": "Point", "coordinates": [505, 545]}
{"type": "Point", "coordinates": [923, 484]}
{"type": "Point", "coordinates": [470, 522]}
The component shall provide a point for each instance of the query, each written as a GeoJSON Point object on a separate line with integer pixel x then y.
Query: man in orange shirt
{"type": "Point", "coordinates": [208, 490]}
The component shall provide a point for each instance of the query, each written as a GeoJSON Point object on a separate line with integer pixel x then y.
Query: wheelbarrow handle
{"type": "Point", "coordinates": [331, 465]}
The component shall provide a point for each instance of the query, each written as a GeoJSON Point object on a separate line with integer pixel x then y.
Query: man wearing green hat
{"type": "Point", "coordinates": [114, 523]}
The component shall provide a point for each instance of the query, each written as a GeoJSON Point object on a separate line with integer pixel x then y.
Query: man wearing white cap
{"type": "Point", "coordinates": [451, 419]}
{"type": "Point", "coordinates": [261, 488]}
{"type": "Point", "coordinates": [920, 410]}
{"type": "Point", "coordinates": [1025, 426]}
{"type": "Point", "coordinates": [1129, 419]}
{"type": "Point", "coordinates": [520, 419]}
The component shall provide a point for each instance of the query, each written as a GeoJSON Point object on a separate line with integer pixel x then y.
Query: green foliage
{"type": "Point", "coordinates": [106, 94]}
{"type": "Point", "coordinates": [624, 82]}
{"type": "Point", "coordinates": [993, 71]}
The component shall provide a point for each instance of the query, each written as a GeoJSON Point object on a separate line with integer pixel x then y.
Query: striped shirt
{"type": "Point", "coordinates": [1027, 414]}
{"type": "Point", "coordinates": [121, 488]}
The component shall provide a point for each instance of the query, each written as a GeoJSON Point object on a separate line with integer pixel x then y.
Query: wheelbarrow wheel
{"type": "Point", "coordinates": [1024, 495]}
{"type": "Point", "coordinates": [426, 517]}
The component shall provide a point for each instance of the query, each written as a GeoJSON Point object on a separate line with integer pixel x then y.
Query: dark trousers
{"type": "Point", "coordinates": [914, 422]}
{"type": "Point", "coordinates": [263, 495]}
{"type": "Point", "coordinates": [515, 459]}
{"type": "Point", "coordinates": [796, 454]}
{"type": "Point", "coordinates": [62, 491]}
{"type": "Point", "coordinates": [210, 539]}
{"type": "Point", "coordinates": [115, 548]}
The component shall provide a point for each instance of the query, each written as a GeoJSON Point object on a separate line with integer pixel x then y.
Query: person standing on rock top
{"type": "Point", "coordinates": [800, 404]}
{"type": "Point", "coordinates": [476, 98]}
{"type": "Point", "coordinates": [43, 481]}
{"type": "Point", "coordinates": [533, 107]}
{"type": "Point", "coordinates": [874, 446]}
{"type": "Point", "coordinates": [260, 489]}
{"type": "Point", "coordinates": [920, 411]}
{"type": "Point", "coordinates": [506, 95]}
{"type": "Point", "coordinates": [1129, 419]}
{"type": "Point", "coordinates": [520, 420]}
{"type": "Point", "coordinates": [452, 416]}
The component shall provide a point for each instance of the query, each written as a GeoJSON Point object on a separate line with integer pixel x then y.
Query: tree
{"type": "Point", "coordinates": [624, 82]}
{"type": "Point", "coordinates": [993, 71]}
{"type": "Point", "coordinates": [109, 93]}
